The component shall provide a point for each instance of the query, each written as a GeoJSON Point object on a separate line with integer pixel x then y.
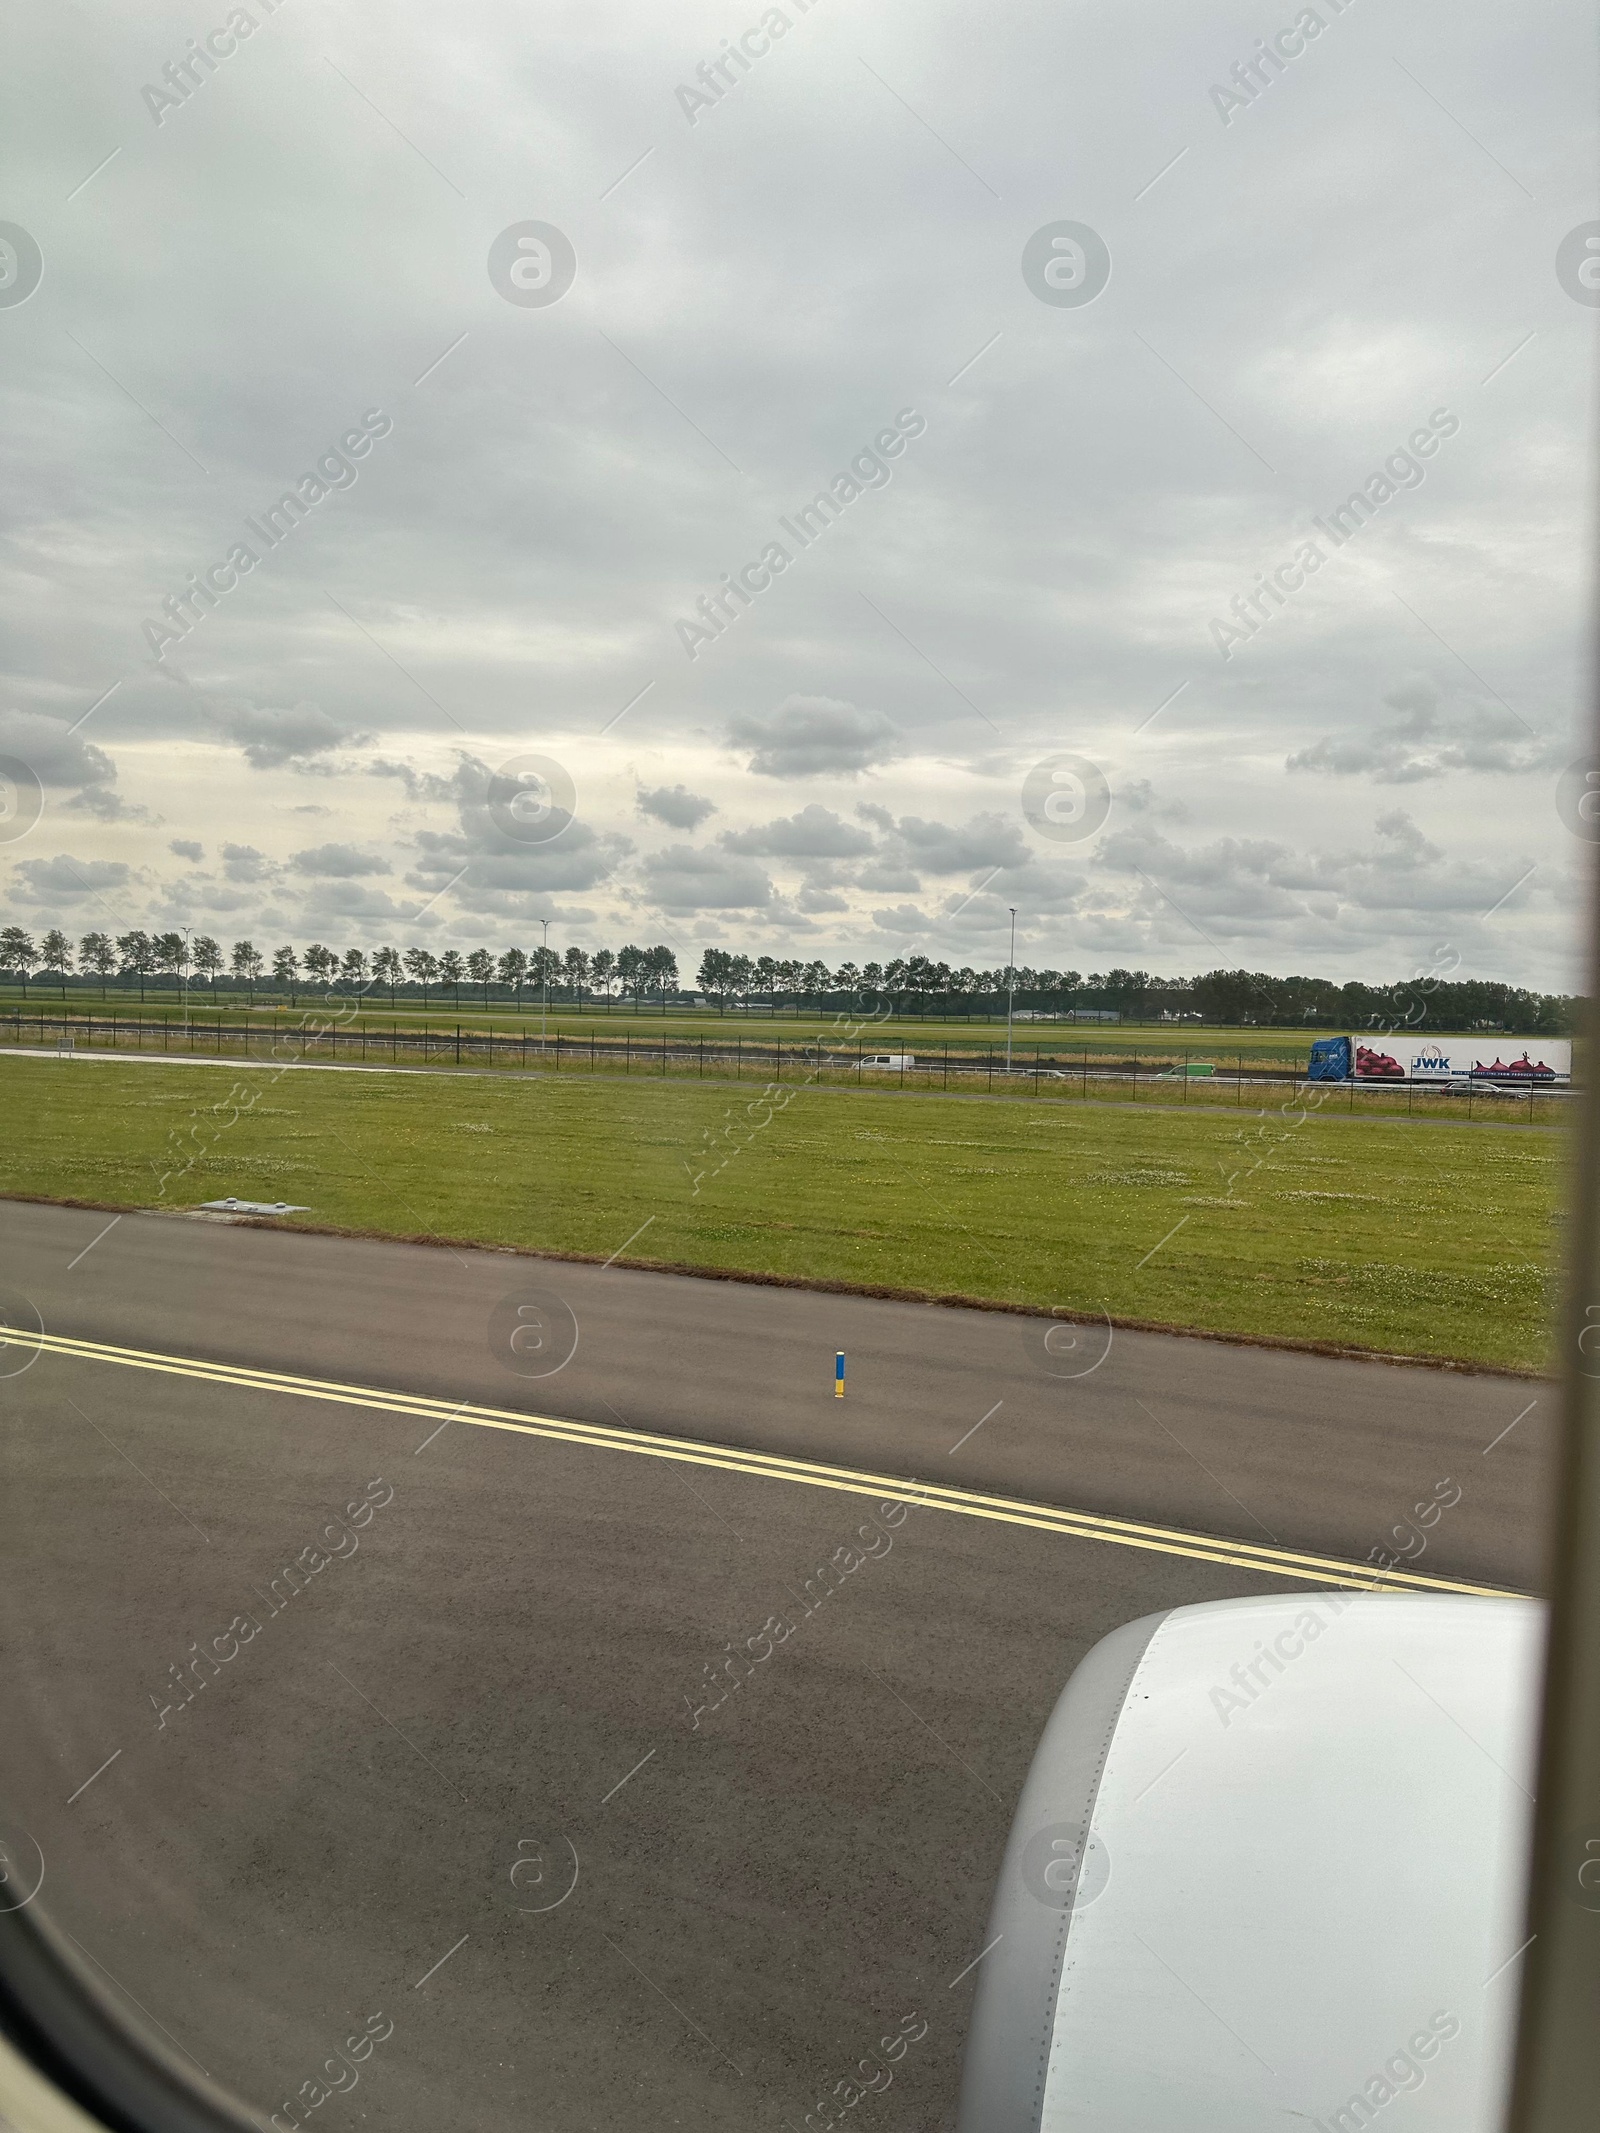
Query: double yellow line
{"type": "Point", "coordinates": [769, 1466]}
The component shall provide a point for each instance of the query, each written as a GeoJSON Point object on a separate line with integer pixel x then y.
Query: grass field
{"type": "Point", "coordinates": [1119, 1040]}
{"type": "Point", "coordinates": [1147, 1041]}
{"type": "Point", "coordinates": [1436, 1241]}
{"type": "Point", "coordinates": [752, 1051]}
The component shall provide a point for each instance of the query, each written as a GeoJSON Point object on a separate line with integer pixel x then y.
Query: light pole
{"type": "Point", "coordinates": [544, 980]}
{"type": "Point", "coordinates": [1011, 982]}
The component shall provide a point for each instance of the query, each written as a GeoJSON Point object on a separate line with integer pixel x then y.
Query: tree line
{"type": "Point", "coordinates": [136, 956]}
{"type": "Point", "coordinates": [907, 984]}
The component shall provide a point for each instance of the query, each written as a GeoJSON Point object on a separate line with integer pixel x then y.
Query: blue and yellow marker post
{"type": "Point", "coordinates": [838, 1375]}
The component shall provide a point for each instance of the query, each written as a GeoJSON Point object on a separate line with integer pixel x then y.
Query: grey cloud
{"type": "Point", "coordinates": [341, 861]}
{"type": "Point", "coordinates": [809, 736]}
{"type": "Point", "coordinates": [986, 841]}
{"type": "Point", "coordinates": [815, 898]}
{"type": "Point", "coordinates": [1069, 625]}
{"type": "Point", "coordinates": [1040, 893]}
{"type": "Point", "coordinates": [419, 784]}
{"type": "Point", "coordinates": [242, 862]}
{"type": "Point", "coordinates": [675, 805]}
{"type": "Point", "coordinates": [498, 867]}
{"type": "Point", "coordinates": [1427, 742]}
{"type": "Point", "coordinates": [338, 897]}
{"type": "Point", "coordinates": [814, 833]}
{"type": "Point", "coordinates": [1238, 886]}
{"type": "Point", "coordinates": [272, 737]}
{"type": "Point", "coordinates": [201, 896]}
{"type": "Point", "coordinates": [1137, 796]}
{"type": "Point", "coordinates": [579, 859]}
{"type": "Point", "coordinates": [683, 878]}
{"type": "Point", "coordinates": [67, 879]}
{"type": "Point", "coordinates": [1405, 839]}
{"type": "Point", "coordinates": [54, 755]}
{"type": "Point", "coordinates": [187, 848]}
{"type": "Point", "coordinates": [105, 805]}
{"type": "Point", "coordinates": [902, 918]}
{"type": "Point", "coordinates": [889, 878]}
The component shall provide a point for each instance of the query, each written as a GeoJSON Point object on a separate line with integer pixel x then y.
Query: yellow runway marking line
{"type": "Point", "coordinates": [771, 1466]}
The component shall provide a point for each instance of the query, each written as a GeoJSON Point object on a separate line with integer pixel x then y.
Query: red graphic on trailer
{"type": "Point", "coordinates": [1377, 1066]}
{"type": "Point", "coordinates": [1523, 1069]}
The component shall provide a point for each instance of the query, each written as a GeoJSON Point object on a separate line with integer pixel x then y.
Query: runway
{"type": "Point", "coordinates": [474, 1771]}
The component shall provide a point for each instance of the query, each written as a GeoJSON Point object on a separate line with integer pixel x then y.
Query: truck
{"type": "Point", "coordinates": [1462, 1062]}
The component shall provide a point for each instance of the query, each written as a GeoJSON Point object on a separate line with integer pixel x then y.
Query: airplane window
{"type": "Point", "coordinates": [794, 814]}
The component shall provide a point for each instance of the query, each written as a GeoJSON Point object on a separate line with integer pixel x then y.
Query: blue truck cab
{"type": "Point", "coordinates": [1332, 1059]}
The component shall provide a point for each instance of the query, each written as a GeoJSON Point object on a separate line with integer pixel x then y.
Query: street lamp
{"type": "Point", "coordinates": [544, 980]}
{"type": "Point", "coordinates": [1011, 982]}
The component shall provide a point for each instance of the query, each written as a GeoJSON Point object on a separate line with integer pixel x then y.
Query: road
{"type": "Point", "coordinates": [507, 1661]}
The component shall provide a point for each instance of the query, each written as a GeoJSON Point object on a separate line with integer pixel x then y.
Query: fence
{"type": "Point", "coordinates": [1031, 1071]}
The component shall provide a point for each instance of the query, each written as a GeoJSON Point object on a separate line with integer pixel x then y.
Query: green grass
{"type": "Point", "coordinates": [750, 1053]}
{"type": "Point", "coordinates": [1436, 1242]}
{"type": "Point", "coordinates": [925, 1035]}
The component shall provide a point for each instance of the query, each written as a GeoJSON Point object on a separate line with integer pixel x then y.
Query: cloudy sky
{"type": "Point", "coordinates": [868, 263]}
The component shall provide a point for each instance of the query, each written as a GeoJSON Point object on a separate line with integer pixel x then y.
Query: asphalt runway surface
{"type": "Point", "coordinates": [468, 1774]}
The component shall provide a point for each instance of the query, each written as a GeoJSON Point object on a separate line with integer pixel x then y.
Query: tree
{"type": "Point", "coordinates": [321, 963]}
{"type": "Point", "coordinates": [353, 970]}
{"type": "Point", "coordinates": [512, 969]}
{"type": "Point", "coordinates": [847, 979]}
{"type": "Point", "coordinates": [96, 953]}
{"type": "Point", "coordinates": [17, 952]}
{"type": "Point", "coordinates": [603, 971]}
{"type": "Point", "coordinates": [577, 972]}
{"type": "Point", "coordinates": [206, 956]}
{"type": "Point", "coordinates": [743, 976]}
{"type": "Point", "coordinates": [544, 968]}
{"type": "Point", "coordinates": [422, 966]}
{"type": "Point", "coordinates": [715, 976]}
{"type": "Point", "coordinates": [285, 969]}
{"type": "Point", "coordinates": [137, 951]}
{"type": "Point", "coordinates": [386, 969]}
{"type": "Point", "coordinates": [247, 964]}
{"type": "Point", "coordinates": [815, 981]}
{"type": "Point", "coordinates": [171, 952]}
{"type": "Point", "coordinates": [55, 953]}
{"type": "Point", "coordinates": [451, 971]}
{"type": "Point", "coordinates": [630, 968]}
{"type": "Point", "coordinates": [480, 969]}
{"type": "Point", "coordinates": [661, 970]}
